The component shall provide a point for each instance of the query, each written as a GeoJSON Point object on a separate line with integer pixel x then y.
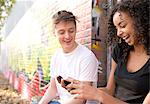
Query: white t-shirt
{"type": "Point", "coordinates": [80, 64]}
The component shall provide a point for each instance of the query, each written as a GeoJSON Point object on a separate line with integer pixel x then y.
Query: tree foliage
{"type": "Point", "coordinates": [5, 7]}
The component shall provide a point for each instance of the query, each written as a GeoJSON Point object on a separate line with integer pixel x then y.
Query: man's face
{"type": "Point", "coordinates": [66, 32]}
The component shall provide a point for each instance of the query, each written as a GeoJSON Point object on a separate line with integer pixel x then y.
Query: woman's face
{"type": "Point", "coordinates": [125, 28]}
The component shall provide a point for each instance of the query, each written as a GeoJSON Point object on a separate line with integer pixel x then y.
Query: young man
{"type": "Point", "coordinates": [72, 60]}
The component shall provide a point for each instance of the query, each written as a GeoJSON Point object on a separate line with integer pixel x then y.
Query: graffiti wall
{"type": "Point", "coordinates": [26, 52]}
{"type": "Point", "coordinates": [29, 47]}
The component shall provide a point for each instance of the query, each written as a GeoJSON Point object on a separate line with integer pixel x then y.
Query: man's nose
{"type": "Point", "coordinates": [66, 35]}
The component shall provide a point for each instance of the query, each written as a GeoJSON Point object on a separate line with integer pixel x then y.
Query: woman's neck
{"type": "Point", "coordinates": [139, 49]}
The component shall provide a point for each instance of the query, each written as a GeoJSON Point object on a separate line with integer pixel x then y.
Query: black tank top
{"type": "Point", "coordinates": [130, 87]}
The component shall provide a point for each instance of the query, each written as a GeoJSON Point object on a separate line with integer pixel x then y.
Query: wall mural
{"type": "Point", "coordinates": [31, 44]}
{"type": "Point", "coordinates": [28, 48]}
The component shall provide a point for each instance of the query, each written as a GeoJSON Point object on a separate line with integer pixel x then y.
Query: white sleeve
{"type": "Point", "coordinates": [89, 68]}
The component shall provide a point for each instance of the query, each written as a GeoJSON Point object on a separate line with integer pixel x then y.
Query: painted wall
{"type": "Point", "coordinates": [31, 43]}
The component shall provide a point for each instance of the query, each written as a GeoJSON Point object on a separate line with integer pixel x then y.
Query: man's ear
{"type": "Point", "coordinates": [53, 30]}
{"type": "Point", "coordinates": [54, 33]}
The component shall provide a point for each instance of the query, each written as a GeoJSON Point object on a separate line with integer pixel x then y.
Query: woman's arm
{"type": "Point", "coordinates": [92, 93]}
{"type": "Point", "coordinates": [73, 100]}
{"type": "Point", "coordinates": [106, 98]}
{"type": "Point", "coordinates": [88, 92]}
{"type": "Point", "coordinates": [147, 99]}
{"type": "Point", "coordinates": [110, 88]}
{"type": "Point", "coordinates": [50, 92]}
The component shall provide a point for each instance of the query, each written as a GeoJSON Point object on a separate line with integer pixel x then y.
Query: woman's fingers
{"type": "Point", "coordinates": [76, 82]}
{"type": "Point", "coordinates": [77, 94]}
{"type": "Point", "coordinates": [78, 87]}
{"type": "Point", "coordinates": [74, 85]}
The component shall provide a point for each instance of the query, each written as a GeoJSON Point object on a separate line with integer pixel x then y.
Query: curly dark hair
{"type": "Point", "coordinates": [139, 12]}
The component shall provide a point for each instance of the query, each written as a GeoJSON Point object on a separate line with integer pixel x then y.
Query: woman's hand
{"type": "Point", "coordinates": [83, 90]}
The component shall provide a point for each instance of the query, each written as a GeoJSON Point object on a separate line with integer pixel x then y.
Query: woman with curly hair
{"type": "Point", "coordinates": [129, 79]}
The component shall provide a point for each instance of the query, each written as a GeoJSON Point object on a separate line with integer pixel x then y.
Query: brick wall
{"type": "Point", "coordinates": [32, 42]}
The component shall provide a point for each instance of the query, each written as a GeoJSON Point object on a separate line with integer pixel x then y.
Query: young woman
{"type": "Point", "coordinates": [129, 78]}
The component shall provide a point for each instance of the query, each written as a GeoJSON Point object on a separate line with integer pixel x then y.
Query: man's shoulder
{"type": "Point", "coordinates": [86, 52]}
{"type": "Point", "coordinates": [84, 48]}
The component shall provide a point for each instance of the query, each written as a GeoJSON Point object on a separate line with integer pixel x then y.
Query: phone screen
{"type": "Point", "coordinates": [66, 82]}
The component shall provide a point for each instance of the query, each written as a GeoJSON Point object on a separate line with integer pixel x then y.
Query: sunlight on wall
{"type": "Point", "coordinates": [32, 37]}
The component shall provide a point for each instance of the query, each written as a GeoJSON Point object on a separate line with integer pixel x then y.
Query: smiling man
{"type": "Point", "coordinates": [71, 60]}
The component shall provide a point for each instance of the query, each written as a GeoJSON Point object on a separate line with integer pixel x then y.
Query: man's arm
{"type": "Point", "coordinates": [50, 92]}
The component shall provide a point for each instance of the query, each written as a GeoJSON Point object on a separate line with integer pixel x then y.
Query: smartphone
{"type": "Point", "coordinates": [66, 82]}
{"type": "Point", "coordinates": [59, 78]}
